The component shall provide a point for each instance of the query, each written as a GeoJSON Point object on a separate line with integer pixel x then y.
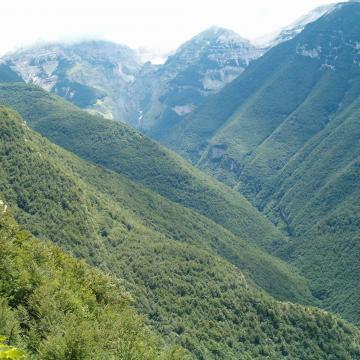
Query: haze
{"type": "Point", "coordinates": [156, 24]}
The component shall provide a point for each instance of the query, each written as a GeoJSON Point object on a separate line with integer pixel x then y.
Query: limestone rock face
{"type": "Point", "coordinates": [113, 80]}
{"type": "Point", "coordinates": [92, 74]}
{"type": "Point", "coordinates": [200, 67]}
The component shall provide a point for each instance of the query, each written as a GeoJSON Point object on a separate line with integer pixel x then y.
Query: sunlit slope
{"type": "Point", "coordinates": [55, 307]}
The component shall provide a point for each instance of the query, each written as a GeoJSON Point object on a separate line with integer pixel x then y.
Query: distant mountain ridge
{"type": "Point", "coordinates": [201, 66]}
{"type": "Point", "coordinates": [112, 80]}
{"type": "Point", "coordinates": [91, 74]}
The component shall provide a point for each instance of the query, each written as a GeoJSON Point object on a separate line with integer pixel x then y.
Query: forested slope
{"type": "Point", "coordinates": [192, 297]}
{"type": "Point", "coordinates": [55, 307]}
{"type": "Point", "coordinates": [285, 134]}
{"type": "Point", "coordinates": [119, 148]}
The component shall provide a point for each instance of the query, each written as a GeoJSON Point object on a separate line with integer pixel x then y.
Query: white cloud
{"type": "Point", "coordinates": [160, 24]}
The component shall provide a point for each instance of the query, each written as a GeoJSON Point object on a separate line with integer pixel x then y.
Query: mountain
{"type": "Point", "coordinates": [290, 31]}
{"type": "Point", "coordinates": [191, 296]}
{"type": "Point", "coordinates": [111, 80]}
{"type": "Point", "coordinates": [201, 66]}
{"type": "Point", "coordinates": [55, 307]}
{"type": "Point", "coordinates": [128, 231]}
{"type": "Point", "coordinates": [91, 74]}
{"type": "Point", "coordinates": [127, 152]}
{"type": "Point", "coordinates": [285, 134]}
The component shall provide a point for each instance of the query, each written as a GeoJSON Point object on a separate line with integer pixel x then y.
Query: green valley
{"type": "Point", "coordinates": [224, 225]}
{"type": "Point", "coordinates": [174, 276]}
{"type": "Point", "coordinates": [119, 148]}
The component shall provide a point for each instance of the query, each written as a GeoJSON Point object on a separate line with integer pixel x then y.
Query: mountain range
{"type": "Point", "coordinates": [180, 266]}
{"type": "Point", "coordinates": [203, 208]}
{"type": "Point", "coordinates": [92, 74]}
{"type": "Point", "coordinates": [114, 81]}
{"type": "Point", "coordinates": [111, 80]}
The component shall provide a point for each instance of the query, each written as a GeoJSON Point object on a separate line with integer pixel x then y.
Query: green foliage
{"type": "Point", "coordinates": [286, 134]}
{"type": "Point", "coordinates": [119, 148]}
{"type": "Point", "coordinates": [190, 296]}
{"type": "Point", "coordinates": [59, 308]}
{"type": "Point", "coordinates": [69, 311]}
{"type": "Point", "coordinates": [9, 352]}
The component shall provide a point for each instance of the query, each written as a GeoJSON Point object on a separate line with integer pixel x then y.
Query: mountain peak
{"type": "Point", "coordinates": [296, 27]}
{"type": "Point", "coordinates": [216, 33]}
{"type": "Point", "coordinates": [214, 40]}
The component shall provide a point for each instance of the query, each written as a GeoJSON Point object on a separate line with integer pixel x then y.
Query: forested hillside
{"type": "Point", "coordinates": [285, 134]}
{"type": "Point", "coordinates": [55, 307]}
{"type": "Point", "coordinates": [129, 231]}
{"type": "Point", "coordinates": [127, 152]}
{"type": "Point", "coordinates": [192, 297]}
{"type": "Point", "coordinates": [224, 225]}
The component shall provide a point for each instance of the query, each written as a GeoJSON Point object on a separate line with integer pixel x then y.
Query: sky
{"type": "Point", "coordinates": [155, 24]}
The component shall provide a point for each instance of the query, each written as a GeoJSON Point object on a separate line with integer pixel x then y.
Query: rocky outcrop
{"type": "Point", "coordinates": [217, 156]}
{"type": "Point", "coordinates": [92, 74]}
{"type": "Point", "coordinates": [111, 80]}
{"type": "Point", "coordinates": [202, 66]}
